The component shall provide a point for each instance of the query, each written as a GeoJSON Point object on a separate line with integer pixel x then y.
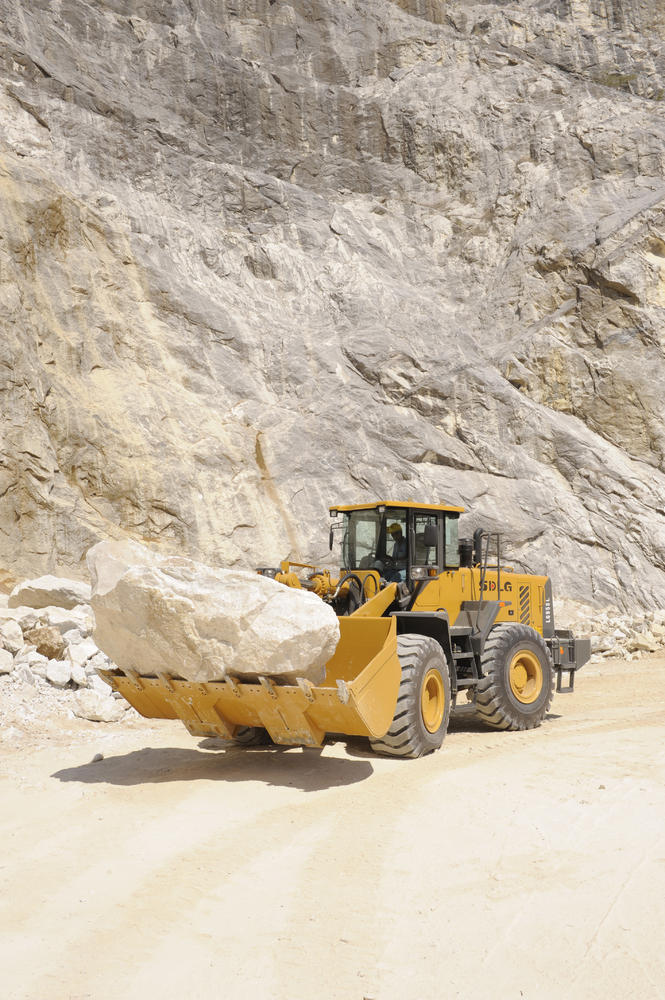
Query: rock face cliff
{"type": "Point", "coordinates": [257, 256]}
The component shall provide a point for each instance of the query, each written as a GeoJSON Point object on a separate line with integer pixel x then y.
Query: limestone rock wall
{"type": "Point", "coordinates": [259, 256]}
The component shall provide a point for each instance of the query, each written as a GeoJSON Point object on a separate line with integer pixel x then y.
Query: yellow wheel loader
{"type": "Point", "coordinates": [423, 615]}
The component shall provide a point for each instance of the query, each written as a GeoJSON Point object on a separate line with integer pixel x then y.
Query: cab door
{"type": "Point", "coordinates": [450, 586]}
{"type": "Point", "coordinates": [425, 560]}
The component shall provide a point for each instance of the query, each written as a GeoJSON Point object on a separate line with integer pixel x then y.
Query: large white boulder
{"type": "Point", "coordinates": [47, 591]}
{"type": "Point", "coordinates": [157, 614]}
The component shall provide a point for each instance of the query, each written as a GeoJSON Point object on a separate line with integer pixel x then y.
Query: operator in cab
{"type": "Point", "coordinates": [398, 554]}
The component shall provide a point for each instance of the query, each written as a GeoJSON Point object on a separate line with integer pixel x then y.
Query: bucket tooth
{"type": "Point", "coordinates": [236, 688]}
{"type": "Point", "coordinates": [343, 692]}
{"type": "Point", "coordinates": [306, 688]}
{"type": "Point", "coordinates": [268, 685]}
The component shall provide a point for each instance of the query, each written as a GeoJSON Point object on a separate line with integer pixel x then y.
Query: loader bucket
{"type": "Point", "coordinates": [357, 697]}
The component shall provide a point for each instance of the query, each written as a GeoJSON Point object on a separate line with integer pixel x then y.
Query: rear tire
{"type": "Point", "coordinates": [423, 701]}
{"type": "Point", "coordinates": [518, 684]}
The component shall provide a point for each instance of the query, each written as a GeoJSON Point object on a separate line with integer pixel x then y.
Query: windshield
{"type": "Point", "coordinates": [374, 540]}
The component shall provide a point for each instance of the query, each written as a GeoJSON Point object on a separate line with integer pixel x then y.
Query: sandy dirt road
{"type": "Point", "coordinates": [506, 865]}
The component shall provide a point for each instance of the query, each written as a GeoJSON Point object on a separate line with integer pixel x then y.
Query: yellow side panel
{"type": "Point", "coordinates": [522, 595]}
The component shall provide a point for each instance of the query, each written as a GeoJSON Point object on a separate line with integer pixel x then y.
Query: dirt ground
{"type": "Point", "coordinates": [507, 865]}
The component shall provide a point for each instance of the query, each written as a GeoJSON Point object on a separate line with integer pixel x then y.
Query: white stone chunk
{"type": "Point", "coordinates": [37, 663]}
{"type": "Point", "coordinates": [58, 673]}
{"type": "Point", "coordinates": [99, 661]}
{"type": "Point", "coordinates": [79, 676]}
{"type": "Point", "coordinates": [185, 619]}
{"type": "Point", "coordinates": [80, 617]}
{"type": "Point", "coordinates": [6, 661]}
{"type": "Point", "coordinates": [97, 683]}
{"type": "Point", "coordinates": [24, 674]}
{"type": "Point", "coordinates": [73, 636]}
{"type": "Point", "coordinates": [49, 591]}
{"type": "Point", "coordinates": [601, 643]}
{"type": "Point", "coordinates": [26, 618]}
{"type": "Point", "coordinates": [645, 643]}
{"type": "Point", "coordinates": [81, 652]}
{"type": "Point", "coordinates": [97, 706]}
{"type": "Point", "coordinates": [24, 652]}
{"type": "Point", "coordinates": [11, 636]}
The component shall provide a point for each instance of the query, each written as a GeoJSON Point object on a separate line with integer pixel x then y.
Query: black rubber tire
{"type": "Point", "coordinates": [408, 736]}
{"type": "Point", "coordinates": [251, 736]}
{"type": "Point", "coordinates": [496, 704]}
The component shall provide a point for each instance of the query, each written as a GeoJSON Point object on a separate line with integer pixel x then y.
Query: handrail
{"type": "Point", "coordinates": [480, 536]}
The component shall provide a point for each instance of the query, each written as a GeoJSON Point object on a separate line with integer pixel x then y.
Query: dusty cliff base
{"type": "Point", "coordinates": [518, 865]}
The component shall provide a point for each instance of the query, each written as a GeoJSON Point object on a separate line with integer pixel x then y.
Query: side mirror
{"type": "Point", "coordinates": [430, 536]}
{"type": "Point", "coordinates": [478, 537]}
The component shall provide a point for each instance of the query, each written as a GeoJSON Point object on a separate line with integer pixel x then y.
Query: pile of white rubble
{"type": "Point", "coordinates": [613, 634]}
{"type": "Point", "coordinates": [46, 646]}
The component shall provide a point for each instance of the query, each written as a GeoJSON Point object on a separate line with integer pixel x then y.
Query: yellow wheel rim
{"type": "Point", "coordinates": [432, 700]}
{"type": "Point", "coordinates": [526, 676]}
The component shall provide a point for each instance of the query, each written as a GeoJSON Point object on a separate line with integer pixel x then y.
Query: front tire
{"type": "Point", "coordinates": [251, 736]}
{"type": "Point", "coordinates": [518, 684]}
{"type": "Point", "coordinates": [423, 701]}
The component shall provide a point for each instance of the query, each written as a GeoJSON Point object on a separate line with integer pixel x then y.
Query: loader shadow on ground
{"type": "Point", "coordinates": [465, 720]}
{"type": "Point", "coordinates": [462, 720]}
{"type": "Point", "coordinates": [300, 768]}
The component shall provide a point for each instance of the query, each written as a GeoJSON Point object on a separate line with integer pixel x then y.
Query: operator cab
{"type": "Point", "coordinates": [401, 542]}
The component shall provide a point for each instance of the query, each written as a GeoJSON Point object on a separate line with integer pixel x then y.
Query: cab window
{"type": "Point", "coordinates": [361, 536]}
{"type": "Point", "coordinates": [424, 555]}
{"type": "Point", "coordinates": [452, 541]}
{"type": "Point", "coordinates": [375, 540]}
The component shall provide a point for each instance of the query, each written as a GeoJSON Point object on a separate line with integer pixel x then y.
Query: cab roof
{"type": "Point", "coordinates": [410, 504]}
